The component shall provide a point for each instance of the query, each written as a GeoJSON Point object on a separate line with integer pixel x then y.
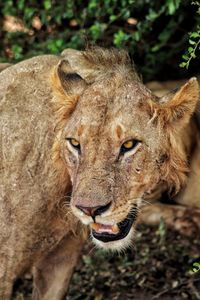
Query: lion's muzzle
{"type": "Point", "coordinates": [103, 230]}
{"type": "Point", "coordinates": [111, 233]}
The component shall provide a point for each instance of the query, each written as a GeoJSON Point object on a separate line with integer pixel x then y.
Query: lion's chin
{"type": "Point", "coordinates": [117, 245]}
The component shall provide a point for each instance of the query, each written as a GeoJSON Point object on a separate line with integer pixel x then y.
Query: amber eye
{"type": "Point", "coordinates": [128, 146]}
{"type": "Point", "coordinates": [74, 143]}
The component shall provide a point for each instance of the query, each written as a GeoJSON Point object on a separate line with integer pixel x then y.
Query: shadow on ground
{"type": "Point", "coordinates": [159, 266]}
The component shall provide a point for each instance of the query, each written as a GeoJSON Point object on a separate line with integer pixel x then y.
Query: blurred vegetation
{"type": "Point", "coordinates": [156, 33]}
{"type": "Point", "coordinates": [194, 42]}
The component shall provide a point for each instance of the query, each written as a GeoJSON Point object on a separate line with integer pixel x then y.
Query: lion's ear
{"type": "Point", "coordinates": [67, 86]}
{"type": "Point", "coordinates": [71, 82]}
{"type": "Point", "coordinates": [177, 107]}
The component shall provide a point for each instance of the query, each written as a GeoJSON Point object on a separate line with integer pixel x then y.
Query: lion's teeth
{"type": "Point", "coordinates": [95, 226]}
{"type": "Point", "coordinates": [113, 229]}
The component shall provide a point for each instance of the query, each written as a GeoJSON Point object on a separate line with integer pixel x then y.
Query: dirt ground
{"type": "Point", "coordinates": [158, 267]}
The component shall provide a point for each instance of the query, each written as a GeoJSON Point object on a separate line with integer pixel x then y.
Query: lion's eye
{"type": "Point", "coordinates": [128, 146]}
{"type": "Point", "coordinates": [74, 143]}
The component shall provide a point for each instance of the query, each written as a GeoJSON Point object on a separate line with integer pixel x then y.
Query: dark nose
{"type": "Point", "coordinates": [95, 210]}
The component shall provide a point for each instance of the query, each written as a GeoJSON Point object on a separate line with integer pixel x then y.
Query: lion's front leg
{"type": "Point", "coordinates": [183, 219]}
{"type": "Point", "coordinates": [6, 285]}
{"type": "Point", "coordinates": [7, 275]}
{"type": "Point", "coordinates": [52, 273]}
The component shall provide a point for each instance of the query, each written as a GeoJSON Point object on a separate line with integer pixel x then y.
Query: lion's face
{"type": "Point", "coordinates": [119, 143]}
{"type": "Point", "coordinates": [112, 152]}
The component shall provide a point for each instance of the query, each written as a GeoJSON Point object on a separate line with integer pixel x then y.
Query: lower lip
{"type": "Point", "coordinates": [124, 227]}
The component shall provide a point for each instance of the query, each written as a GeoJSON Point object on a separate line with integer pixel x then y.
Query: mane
{"type": "Point", "coordinates": [92, 65]}
{"type": "Point", "coordinates": [106, 58]}
{"type": "Point", "coordinates": [96, 63]}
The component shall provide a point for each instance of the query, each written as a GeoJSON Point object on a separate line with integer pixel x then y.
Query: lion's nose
{"type": "Point", "coordinates": [95, 210]}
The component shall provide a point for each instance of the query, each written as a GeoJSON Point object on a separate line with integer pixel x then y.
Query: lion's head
{"type": "Point", "coordinates": [117, 139]}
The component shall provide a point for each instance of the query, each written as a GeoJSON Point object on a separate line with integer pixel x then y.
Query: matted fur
{"type": "Point", "coordinates": [93, 65]}
{"type": "Point", "coordinates": [34, 201]}
{"type": "Point", "coordinates": [96, 63]}
{"type": "Point", "coordinates": [110, 80]}
{"type": "Point", "coordinates": [101, 102]}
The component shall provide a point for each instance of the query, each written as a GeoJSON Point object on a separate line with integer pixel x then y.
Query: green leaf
{"type": "Point", "coordinates": [136, 36]}
{"type": "Point", "coordinates": [97, 30]}
{"type": "Point", "coordinates": [173, 5]}
{"type": "Point", "coordinates": [190, 49]}
{"type": "Point", "coordinates": [191, 42]}
{"type": "Point", "coordinates": [17, 52]}
{"type": "Point", "coordinates": [155, 48]}
{"type": "Point", "coordinates": [196, 264]}
{"type": "Point", "coordinates": [47, 4]}
{"type": "Point", "coordinates": [185, 57]}
{"type": "Point", "coordinates": [183, 64]}
{"type": "Point", "coordinates": [152, 15]}
{"type": "Point", "coordinates": [112, 18]}
{"type": "Point", "coordinates": [194, 34]}
{"type": "Point", "coordinates": [119, 38]}
{"type": "Point", "coordinates": [21, 4]}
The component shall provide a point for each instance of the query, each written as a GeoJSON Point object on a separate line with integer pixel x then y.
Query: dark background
{"type": "Point", "coordinates": [156, 33]}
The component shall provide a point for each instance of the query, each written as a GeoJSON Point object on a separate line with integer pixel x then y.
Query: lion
{"type": "Point", "coordinates": [83, 144]}
{"type": "Point", "coordinates": [4, 66]}
{"type": "Point", "coordinates": [34, 233]}
{"type": "Point", "coordinates": [124, 146]}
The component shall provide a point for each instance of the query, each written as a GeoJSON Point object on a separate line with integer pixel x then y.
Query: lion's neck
{"type": "Point", "coordinates": [190, 137]}
{"type": "Point", "coordinates": [191, 140]}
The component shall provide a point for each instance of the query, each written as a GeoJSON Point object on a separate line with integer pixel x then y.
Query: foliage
{"type": "Point", "coordinates": [194, 41]}
{"type": "Point", "coordinates": [154, 32]}
{"type": "Point", "coordinates": [196, 267]}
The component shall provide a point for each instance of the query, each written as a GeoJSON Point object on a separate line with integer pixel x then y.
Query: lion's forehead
{"type": "Point", "coordinates": [97, 108]}
{"type": "Point", "coordinates": [100, 112]}
{"type": "Point", "coordinates": [109, 94]}
{"type": "Point", "coordinates": [107, 120]}
{"type": "Point", "coordinates": [111, 133]}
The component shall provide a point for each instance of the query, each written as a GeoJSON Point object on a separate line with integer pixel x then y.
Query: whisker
{"type": "Point", "coordinates": [147, 202]}
{"type": "Point", "coordinates": [67, 197]}
{"type": "Point", "coordinates": [68, 213]}
{"type": "Point", "coordinates": [93, 248]}
{"type": "Point", "coordinates": [66, 204]}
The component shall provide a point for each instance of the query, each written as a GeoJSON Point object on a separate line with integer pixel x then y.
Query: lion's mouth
{"type": "Point", "coordinates": [110, 233]}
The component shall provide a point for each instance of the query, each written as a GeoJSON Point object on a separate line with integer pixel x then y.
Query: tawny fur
{"type": "Point", "coordinates": [99, 100]}
{"type": "Point", "coordinates": [33, 198]}
{"type": "Point", "coordinates": [115, 100]}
